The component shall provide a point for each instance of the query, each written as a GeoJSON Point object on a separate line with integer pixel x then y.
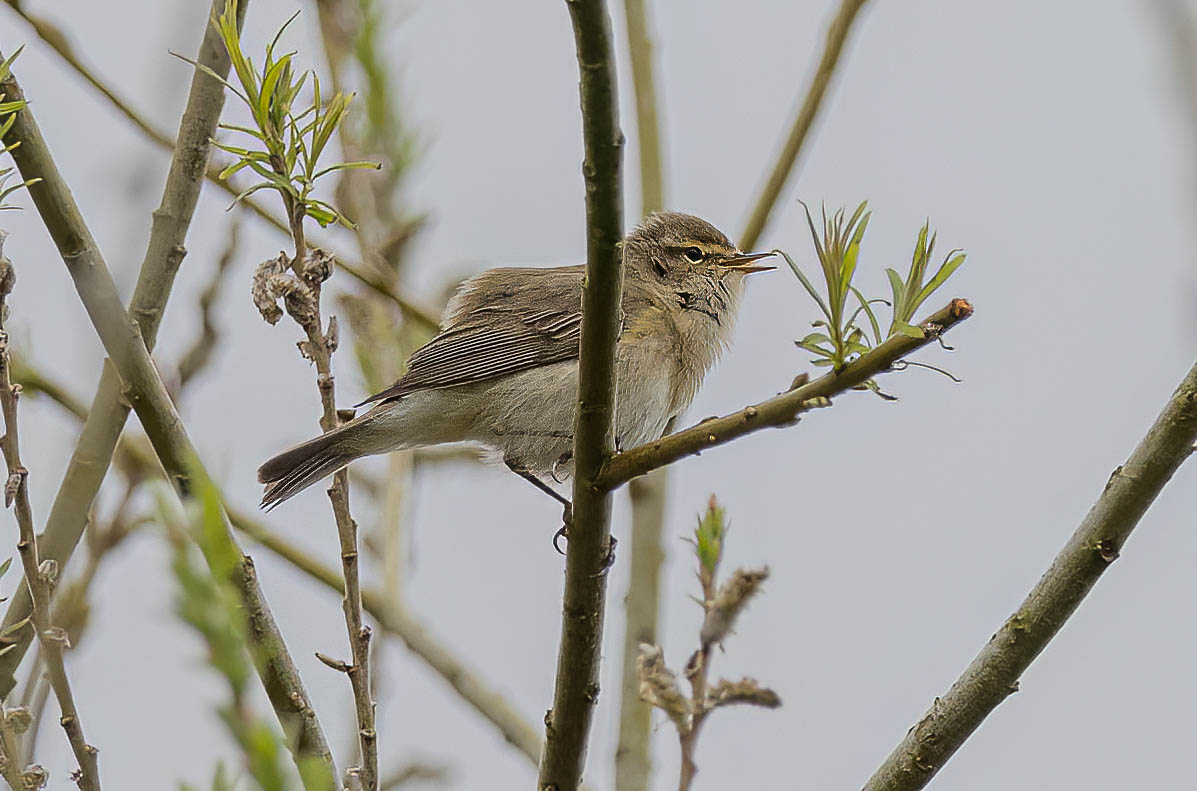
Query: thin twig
{"type": "Point", "coordinates": [837, 34]}
{"type": "Point", "coordinates": [576, 690]}
{"type": "Point", "coordinates": [993, 675]}
{"type": "Point", "coordinates": [781, 410]}
{"type": "Point", "coordinates": [319, 349]}
{"type": "Point", "coordinates": [146, 392]}
{"type": "Point", "coordinates": [199, 353]}
{"type": "Point", "coordinates": [52, 640]}
{"type": "Point", "coordinates": [164, 254]}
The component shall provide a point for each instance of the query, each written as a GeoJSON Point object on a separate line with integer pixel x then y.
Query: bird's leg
{"type": "Point", "coordinates": [567, 513]}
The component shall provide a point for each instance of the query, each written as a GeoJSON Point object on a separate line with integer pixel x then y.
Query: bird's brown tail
{"type": "Point", "coordinates": [294, 470]}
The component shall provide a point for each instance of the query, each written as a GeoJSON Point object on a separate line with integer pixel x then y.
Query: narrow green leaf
{"type": "Point", "coordinates": [950, 265]}
{"type": "Point", "coordinates": [810, 289]}
{"type": "Point", "coordinates": [868, 311]}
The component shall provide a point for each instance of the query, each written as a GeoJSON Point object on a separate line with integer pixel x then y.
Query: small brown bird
{"type": "Point", "coordinates": [503, 371]}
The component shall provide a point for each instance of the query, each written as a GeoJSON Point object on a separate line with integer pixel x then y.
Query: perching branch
{"type": "Point", "coordinates": [781, 410]}
{"type": "Point", "coordinates": [993, 674]}
{"type": "Point", "coordinates": [145, 390]}
{"type": "Point", "coordinates": [576, 690]}
{"type": "Point", "coordinates": [642, 604]}
{"type": "Point", "coordinates": [837, 34]}
{"type": "Point", "coordinates": [164, 253]}
{"type": "Point", "coordinates": [57, 41]}
{"type": "Point", "coordinates": [39, 576]}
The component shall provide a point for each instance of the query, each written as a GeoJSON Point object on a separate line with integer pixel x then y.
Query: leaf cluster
{"type": "Point", "coordinates": [287, 139]}
{"type": "Point", "coordinates": [841, 338]}
{"type": "Point", "coordinates": [8, 117]}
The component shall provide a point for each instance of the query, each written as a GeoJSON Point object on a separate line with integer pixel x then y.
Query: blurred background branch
{"type": "Point", "coordinates": [837, 34]}
{"type": "Point", "coordinates": [648, 495]}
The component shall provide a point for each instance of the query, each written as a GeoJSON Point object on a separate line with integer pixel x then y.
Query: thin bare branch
{"type": "Point", "coordinates": [993, 675]}
{"type": "Point", "coordinates": [199, 353]}
{"type": "Point", "coordinates": [568, 723]}
{"type": "Point", "coordinates": [837, 34]}
{"type": "Point", "coordinates": [38, 577]}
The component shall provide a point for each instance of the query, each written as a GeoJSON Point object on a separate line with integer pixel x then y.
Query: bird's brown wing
{"type": "Point", "coordinates": [494, 327]}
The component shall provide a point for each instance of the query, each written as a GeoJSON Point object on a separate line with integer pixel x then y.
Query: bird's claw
{"type": "Point", "coordinates": [609, 558]}
{"type": "Point", "coordinates": [567, 519]}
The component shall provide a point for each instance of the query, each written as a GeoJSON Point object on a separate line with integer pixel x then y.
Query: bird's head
{"type": "Point", "coordinates": [676, 247]}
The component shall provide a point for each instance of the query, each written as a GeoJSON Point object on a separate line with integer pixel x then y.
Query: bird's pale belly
{"type": "Point", "coordinates": [529, 417]}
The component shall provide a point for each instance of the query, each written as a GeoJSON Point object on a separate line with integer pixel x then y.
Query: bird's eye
{"type": "Point", "coordinates": [693, 253]}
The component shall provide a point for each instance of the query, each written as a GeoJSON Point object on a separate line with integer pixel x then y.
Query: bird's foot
{"type": "Point", "coordinates": [567, 519]}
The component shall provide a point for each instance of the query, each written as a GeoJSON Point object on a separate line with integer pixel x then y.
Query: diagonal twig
{"type": "Point", "coordinates": [993, 675]}
{"type": "Point", "coordinates": [837, 34]}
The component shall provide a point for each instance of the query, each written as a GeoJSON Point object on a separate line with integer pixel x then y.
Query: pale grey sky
{"type": "Point", "coordinates": [1048, 140]}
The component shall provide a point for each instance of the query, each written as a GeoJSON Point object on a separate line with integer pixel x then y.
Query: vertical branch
{"type": "Point", "coordinates": [567, 725]}
{"type": "Point", "coordinates": [145, 390]}
{"type": "Point", "coordinates": [633, 757]}
{"type": "Point", "coordinates": [164, 253]}
{"type": "Point", "coordinates": [320, 347]}
{"type": "Point", "coordinates": [38, 576]}
{"type": "Point", "coordinates": [837, 34]}
{"type": "Point", "coordinates": [993, 675]}
{"type": "Point", "coordinates": [633, 763]}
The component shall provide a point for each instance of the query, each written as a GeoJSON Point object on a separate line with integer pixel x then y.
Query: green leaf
{"type": "Point", "coordinates": [4, 67]}
{"type": "Point", "coordinates": [347, 166]}
{"type": "Point", "coordinates": [810, 289]}
{"type": "Point", "coordinates": [813, 338]}
{"type": "Point", "coordinates": [908, 330]}
{"type": "Point", "coordinates": [950, 265]}
{"type": "Point", "coordinates": [4, 566]}
{"type": "Point", "coordinates": [244, 129]}
{"type": "Point", "coordinates": [868, 311]}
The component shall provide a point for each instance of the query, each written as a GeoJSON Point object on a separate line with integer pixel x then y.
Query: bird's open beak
{"type": "Point", "coordinates": [742, 262]}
